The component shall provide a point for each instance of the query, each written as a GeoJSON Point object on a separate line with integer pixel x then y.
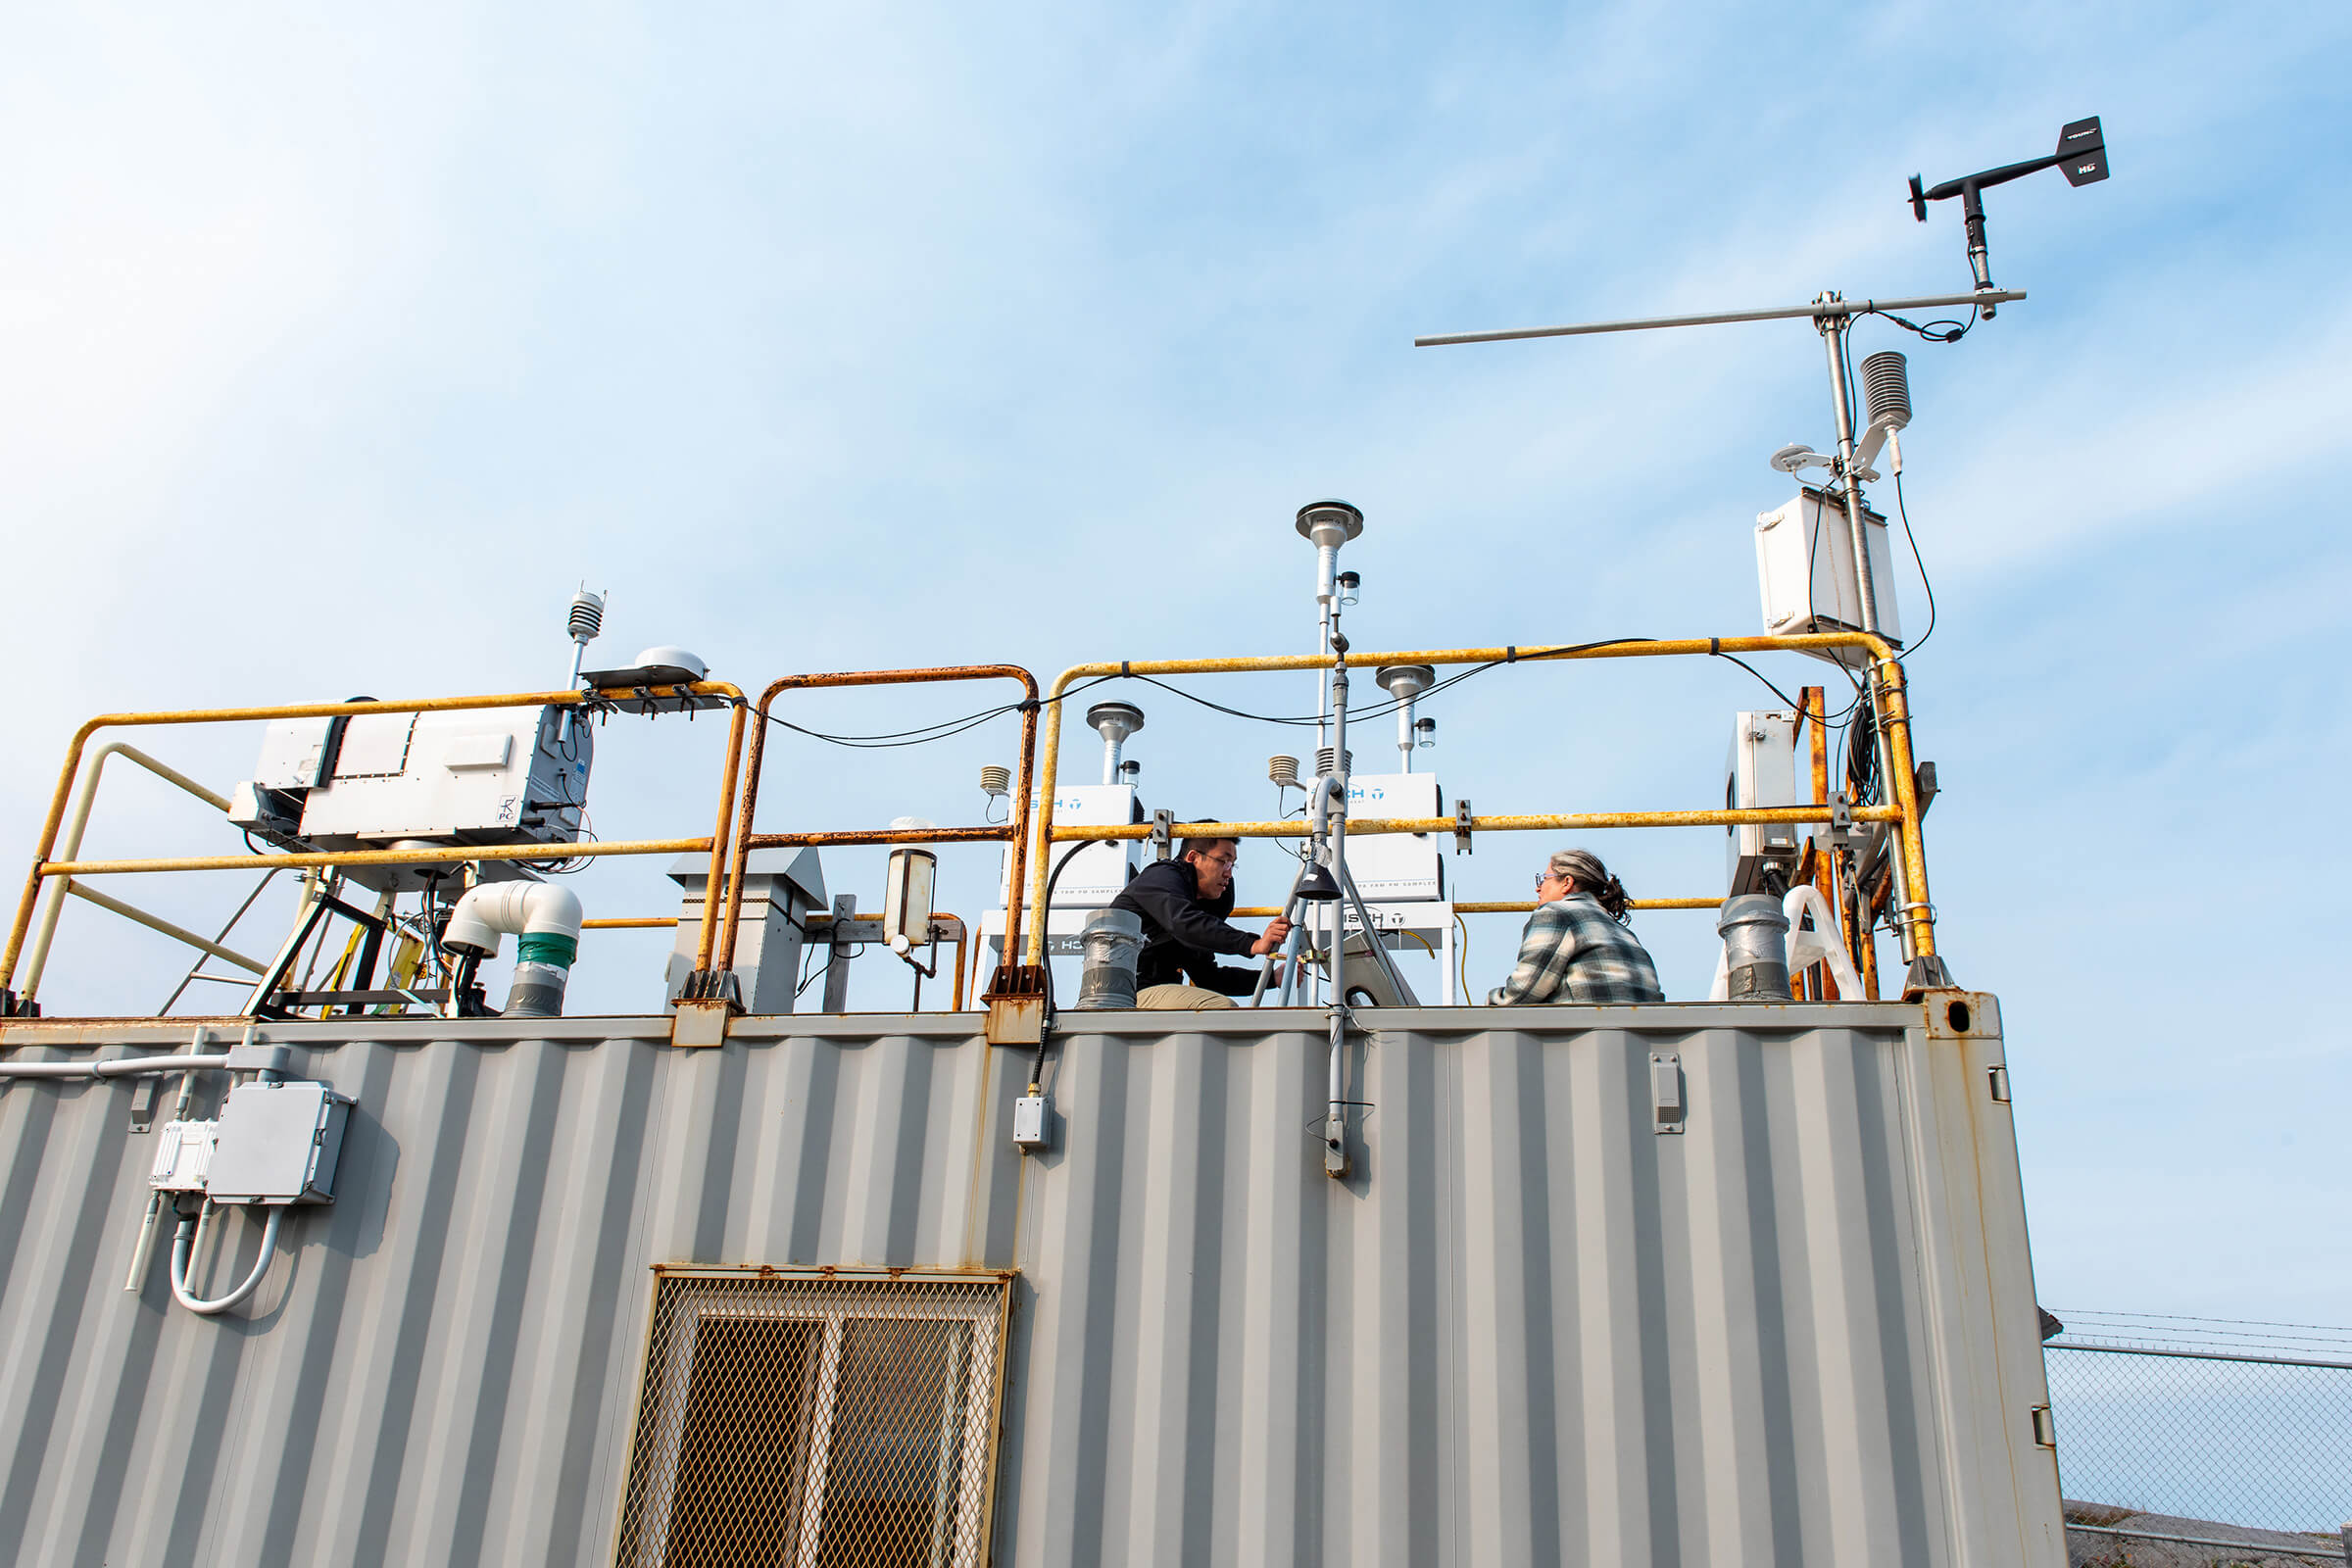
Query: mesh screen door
{"type": "Point", "coordinates": [805, 1420]}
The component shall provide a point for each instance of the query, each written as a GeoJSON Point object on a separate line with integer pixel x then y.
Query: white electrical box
{"type": "Point", "coordinates": [1100, 871]}
{"type": "Point", "coordinates": [1392, 867]}
{"type": "Point", "coordinates": [1805, 569]}
{"type": "Point", "coordinates": [277, 1143]}
{"type": "Point", "coordinates": [1029, 1122]}
{"type": "Point", "coordinates": [1760, 771]}
{"type": "Point", "coordinates": [183, 1156]}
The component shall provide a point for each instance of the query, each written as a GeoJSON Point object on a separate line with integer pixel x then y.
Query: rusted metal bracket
{"type": "Point", "coordinates": [703, 1023]}
{"type": "Point", "coordinates": [1462, 826]}
{"type": "Point", "coordinates": [1162, 836]}
{"type": "Point", "coordinates": [1016, 999]}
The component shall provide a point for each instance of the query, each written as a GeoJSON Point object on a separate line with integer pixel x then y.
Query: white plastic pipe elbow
{"type": "Point", "coordinates": [491, 910]}
{"type": "Point", "coordinates": [546, 917]}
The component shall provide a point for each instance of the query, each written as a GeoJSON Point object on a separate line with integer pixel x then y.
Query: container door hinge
{"type": "Point", "coordinates": [2046, 1428]}
{"type": "Point", "coordinates": [1666, 1092]}
{"type": "Point", "coordinates": [1999, 1074]}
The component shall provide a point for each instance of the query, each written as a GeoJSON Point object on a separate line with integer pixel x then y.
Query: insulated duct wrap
{"type": "Point", "coordinates": [1113, 940]}
{"type": "Point", "coordinates": [1755, 947]}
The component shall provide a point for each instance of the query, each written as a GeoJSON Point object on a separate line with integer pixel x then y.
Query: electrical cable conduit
{"type": "Point", "coordinates": [183, 1249]}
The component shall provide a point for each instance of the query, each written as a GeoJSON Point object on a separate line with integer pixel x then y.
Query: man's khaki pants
{"type": "Point", "coordinates": [1180, 998]}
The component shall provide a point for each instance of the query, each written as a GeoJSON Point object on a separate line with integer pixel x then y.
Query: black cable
{"type": "Point", "coordinates": [1045, 943]}
{"type": "Point", "coordinates": [1945, 330]}
{"type": "Point", "coordinates": [943, 729]}
{"type": "Point", "coordinates": [1904, 512]}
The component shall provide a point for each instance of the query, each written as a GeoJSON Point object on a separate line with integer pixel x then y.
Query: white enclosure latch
{"type": "Point", "coordinates": [1999, 1074]}
{"type": "Point", "coordinates": [2045, 1429]}
{"type": "Point", "coordinates": [1029, 1122]}
{"type": "Point", "coordinates": [1666, 1092]}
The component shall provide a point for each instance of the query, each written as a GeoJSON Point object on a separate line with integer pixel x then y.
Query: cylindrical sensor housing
{"type": "Point", "coordinates": [906, 896]}
{"type": "Point", "coordinates": [1755, 946]}
{"type": "Point", "coordinates": [1112, 940]}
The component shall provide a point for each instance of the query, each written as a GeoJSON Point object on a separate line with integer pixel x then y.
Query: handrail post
{"type": "Point", "coordinates": [1916, 918]}
{"type": "Point", "coordinates": [708, 983]}
{"type": "Point", "coordinates": [727, 787]}
{"type": "Point", "coordinates": [37, 958]}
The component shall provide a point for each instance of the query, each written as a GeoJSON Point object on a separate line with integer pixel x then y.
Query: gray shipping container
{"type": "Point", "coordinates": [1545, 1320]}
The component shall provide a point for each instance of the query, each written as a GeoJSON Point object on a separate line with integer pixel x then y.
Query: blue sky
{"type": "Point", "coordinates": [333, 356]}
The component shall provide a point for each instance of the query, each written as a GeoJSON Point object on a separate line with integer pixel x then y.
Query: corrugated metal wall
{"type": "Point", "coordinates": [1528, 1329]}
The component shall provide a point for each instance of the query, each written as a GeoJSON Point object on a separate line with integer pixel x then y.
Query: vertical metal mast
{"type": "Point", "coordinates": [1834, 331]}
{"type": "Point", "coordinates": [1834, 317]}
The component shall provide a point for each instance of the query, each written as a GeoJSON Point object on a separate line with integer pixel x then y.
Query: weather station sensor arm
{"type": "Point", "coordinates": [1816, 311]}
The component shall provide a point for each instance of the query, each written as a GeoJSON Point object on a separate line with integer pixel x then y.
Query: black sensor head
{"type": "Point", "coordinates": [2082, 153]}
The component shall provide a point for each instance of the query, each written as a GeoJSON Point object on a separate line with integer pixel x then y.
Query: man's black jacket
{"type": "Point", "coordinates": [1183, 932]}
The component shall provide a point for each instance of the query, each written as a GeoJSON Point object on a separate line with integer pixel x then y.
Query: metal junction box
{"type": "Point", "coordinates": [1761, 770]}
{"type": "Point", "coordinates": [277, 1144]}
{"type": "Point", "coordinates": [183, 1156]}
{"type": "Point", "coordinates": [1805, 569]}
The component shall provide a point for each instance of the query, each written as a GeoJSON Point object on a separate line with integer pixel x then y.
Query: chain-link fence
{"type": "Point", "coordinates": [2247, 1424]}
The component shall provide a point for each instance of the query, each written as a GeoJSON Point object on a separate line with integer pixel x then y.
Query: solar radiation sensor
{"type": "Point", "coordinates": [2082, 153]}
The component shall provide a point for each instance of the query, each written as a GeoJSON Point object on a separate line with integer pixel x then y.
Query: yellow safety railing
{"type": "Point", "coordinates": [1914, 915]}
{"type": "Point", "coordinates": [45, 870]}
{"type": "Point", "coordinates": [1916, 918]}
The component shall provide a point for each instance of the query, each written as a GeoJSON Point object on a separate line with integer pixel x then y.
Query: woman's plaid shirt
{"type": "Point", "coordinates": [1572, 952]}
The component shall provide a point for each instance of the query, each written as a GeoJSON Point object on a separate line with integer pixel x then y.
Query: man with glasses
{"type": "Point", "coordinates": [1183, 903]}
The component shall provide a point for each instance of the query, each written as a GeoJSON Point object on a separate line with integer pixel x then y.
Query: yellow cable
{"type": "Point", "coordinates": [1461, 959]}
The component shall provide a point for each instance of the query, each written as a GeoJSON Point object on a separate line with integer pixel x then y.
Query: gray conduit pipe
{"type": "Point", "coordinates": [116, 1067]}
{"type": "Point", "coordinates": [182, 1244]}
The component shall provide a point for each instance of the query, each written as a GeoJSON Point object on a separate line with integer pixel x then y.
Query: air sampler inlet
{"type": "Point", "coordinates": [1114, 722]}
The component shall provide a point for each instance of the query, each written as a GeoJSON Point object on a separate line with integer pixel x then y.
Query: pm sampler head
{"type": "Point", "coordinates": [1405, 683]}
{"type": "Point", "coordinates": [1114, 722]}
{"type": "Point", "coordinates": [1327, 525]}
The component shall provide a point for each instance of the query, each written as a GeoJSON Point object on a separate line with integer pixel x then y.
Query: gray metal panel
{"type": "Point", "coordinates": [1530, 1329]}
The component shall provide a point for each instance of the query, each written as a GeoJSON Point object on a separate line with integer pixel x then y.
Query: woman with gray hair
{"type": "Point", "coordinates": [1578, 946]}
